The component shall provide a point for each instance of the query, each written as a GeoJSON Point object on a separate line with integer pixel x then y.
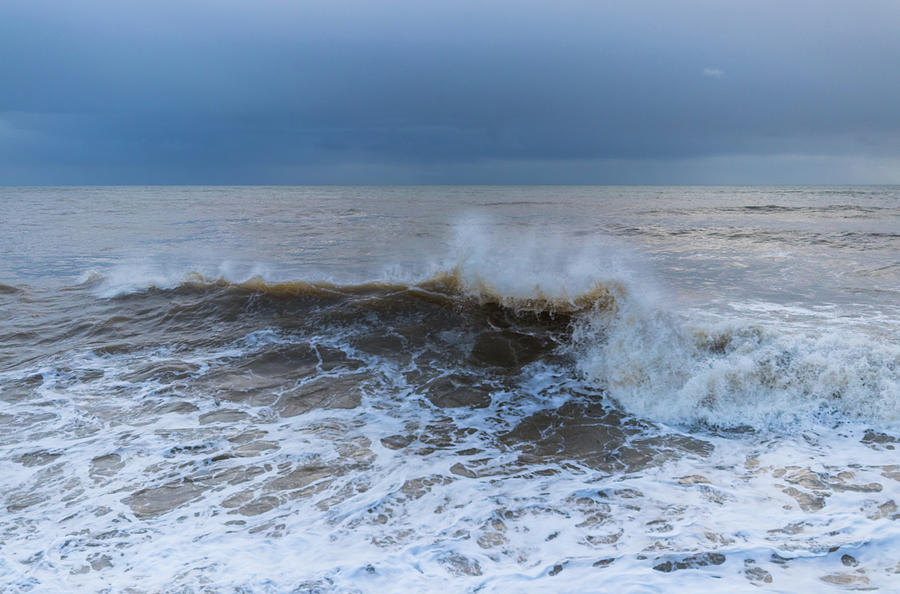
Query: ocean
{"type": "Point", "coordinates": [412, 389]}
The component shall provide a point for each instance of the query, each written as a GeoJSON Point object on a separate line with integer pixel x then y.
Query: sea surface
{"type": "Point", "coordinates": [413, 389]}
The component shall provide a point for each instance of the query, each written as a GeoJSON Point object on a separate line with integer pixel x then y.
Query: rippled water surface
{"type": "Point", "coordinates": [462, 389]}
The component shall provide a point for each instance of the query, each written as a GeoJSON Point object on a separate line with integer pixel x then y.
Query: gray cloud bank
{"type": "Point", "coordinates": [403, 91]}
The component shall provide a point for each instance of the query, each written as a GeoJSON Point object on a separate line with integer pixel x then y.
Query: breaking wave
{"type": "Point", "coordinates": [732, 373]}
{"type": "Point", "coordinates": [655, 362]}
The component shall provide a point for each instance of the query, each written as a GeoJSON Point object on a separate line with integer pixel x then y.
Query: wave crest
{"type": "Point", "coordinates": [451, 286]}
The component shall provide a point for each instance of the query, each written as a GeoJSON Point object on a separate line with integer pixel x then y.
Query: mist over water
{"type": "Point", "coordinates": [370, 389]}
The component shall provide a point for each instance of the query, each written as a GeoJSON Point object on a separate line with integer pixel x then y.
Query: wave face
{"type": "Point", "coordinates": [559, 389]}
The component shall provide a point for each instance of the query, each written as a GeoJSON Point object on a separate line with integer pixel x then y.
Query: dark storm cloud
{"type": "Point", "coordinates": [455, 92]}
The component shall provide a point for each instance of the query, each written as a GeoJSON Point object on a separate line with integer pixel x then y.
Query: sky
{"type": "Point", "coordinates": [449, 92]}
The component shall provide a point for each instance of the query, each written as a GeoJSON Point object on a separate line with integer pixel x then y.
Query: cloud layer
{"type": "Point", "coordinates": [403, 91]}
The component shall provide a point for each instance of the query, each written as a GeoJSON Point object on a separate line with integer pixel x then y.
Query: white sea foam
{"type": "Point", "coordinates": [667, 367]}
{"type": "Point", "coordinates": [517, 525]}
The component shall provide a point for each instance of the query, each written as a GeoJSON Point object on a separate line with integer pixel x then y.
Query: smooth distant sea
{"type": "Point", "coordinates": [492, 389]}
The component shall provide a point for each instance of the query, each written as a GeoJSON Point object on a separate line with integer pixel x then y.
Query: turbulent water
{"type": "Point", "coordinates": [456, 389]}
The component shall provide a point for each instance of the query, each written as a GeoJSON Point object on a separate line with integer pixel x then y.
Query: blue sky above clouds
{"type": "Point", "coordinates": [403, 91]}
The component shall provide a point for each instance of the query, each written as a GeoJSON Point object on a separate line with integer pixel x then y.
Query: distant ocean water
{"type": "Point", "coordinates": [483, 389]}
